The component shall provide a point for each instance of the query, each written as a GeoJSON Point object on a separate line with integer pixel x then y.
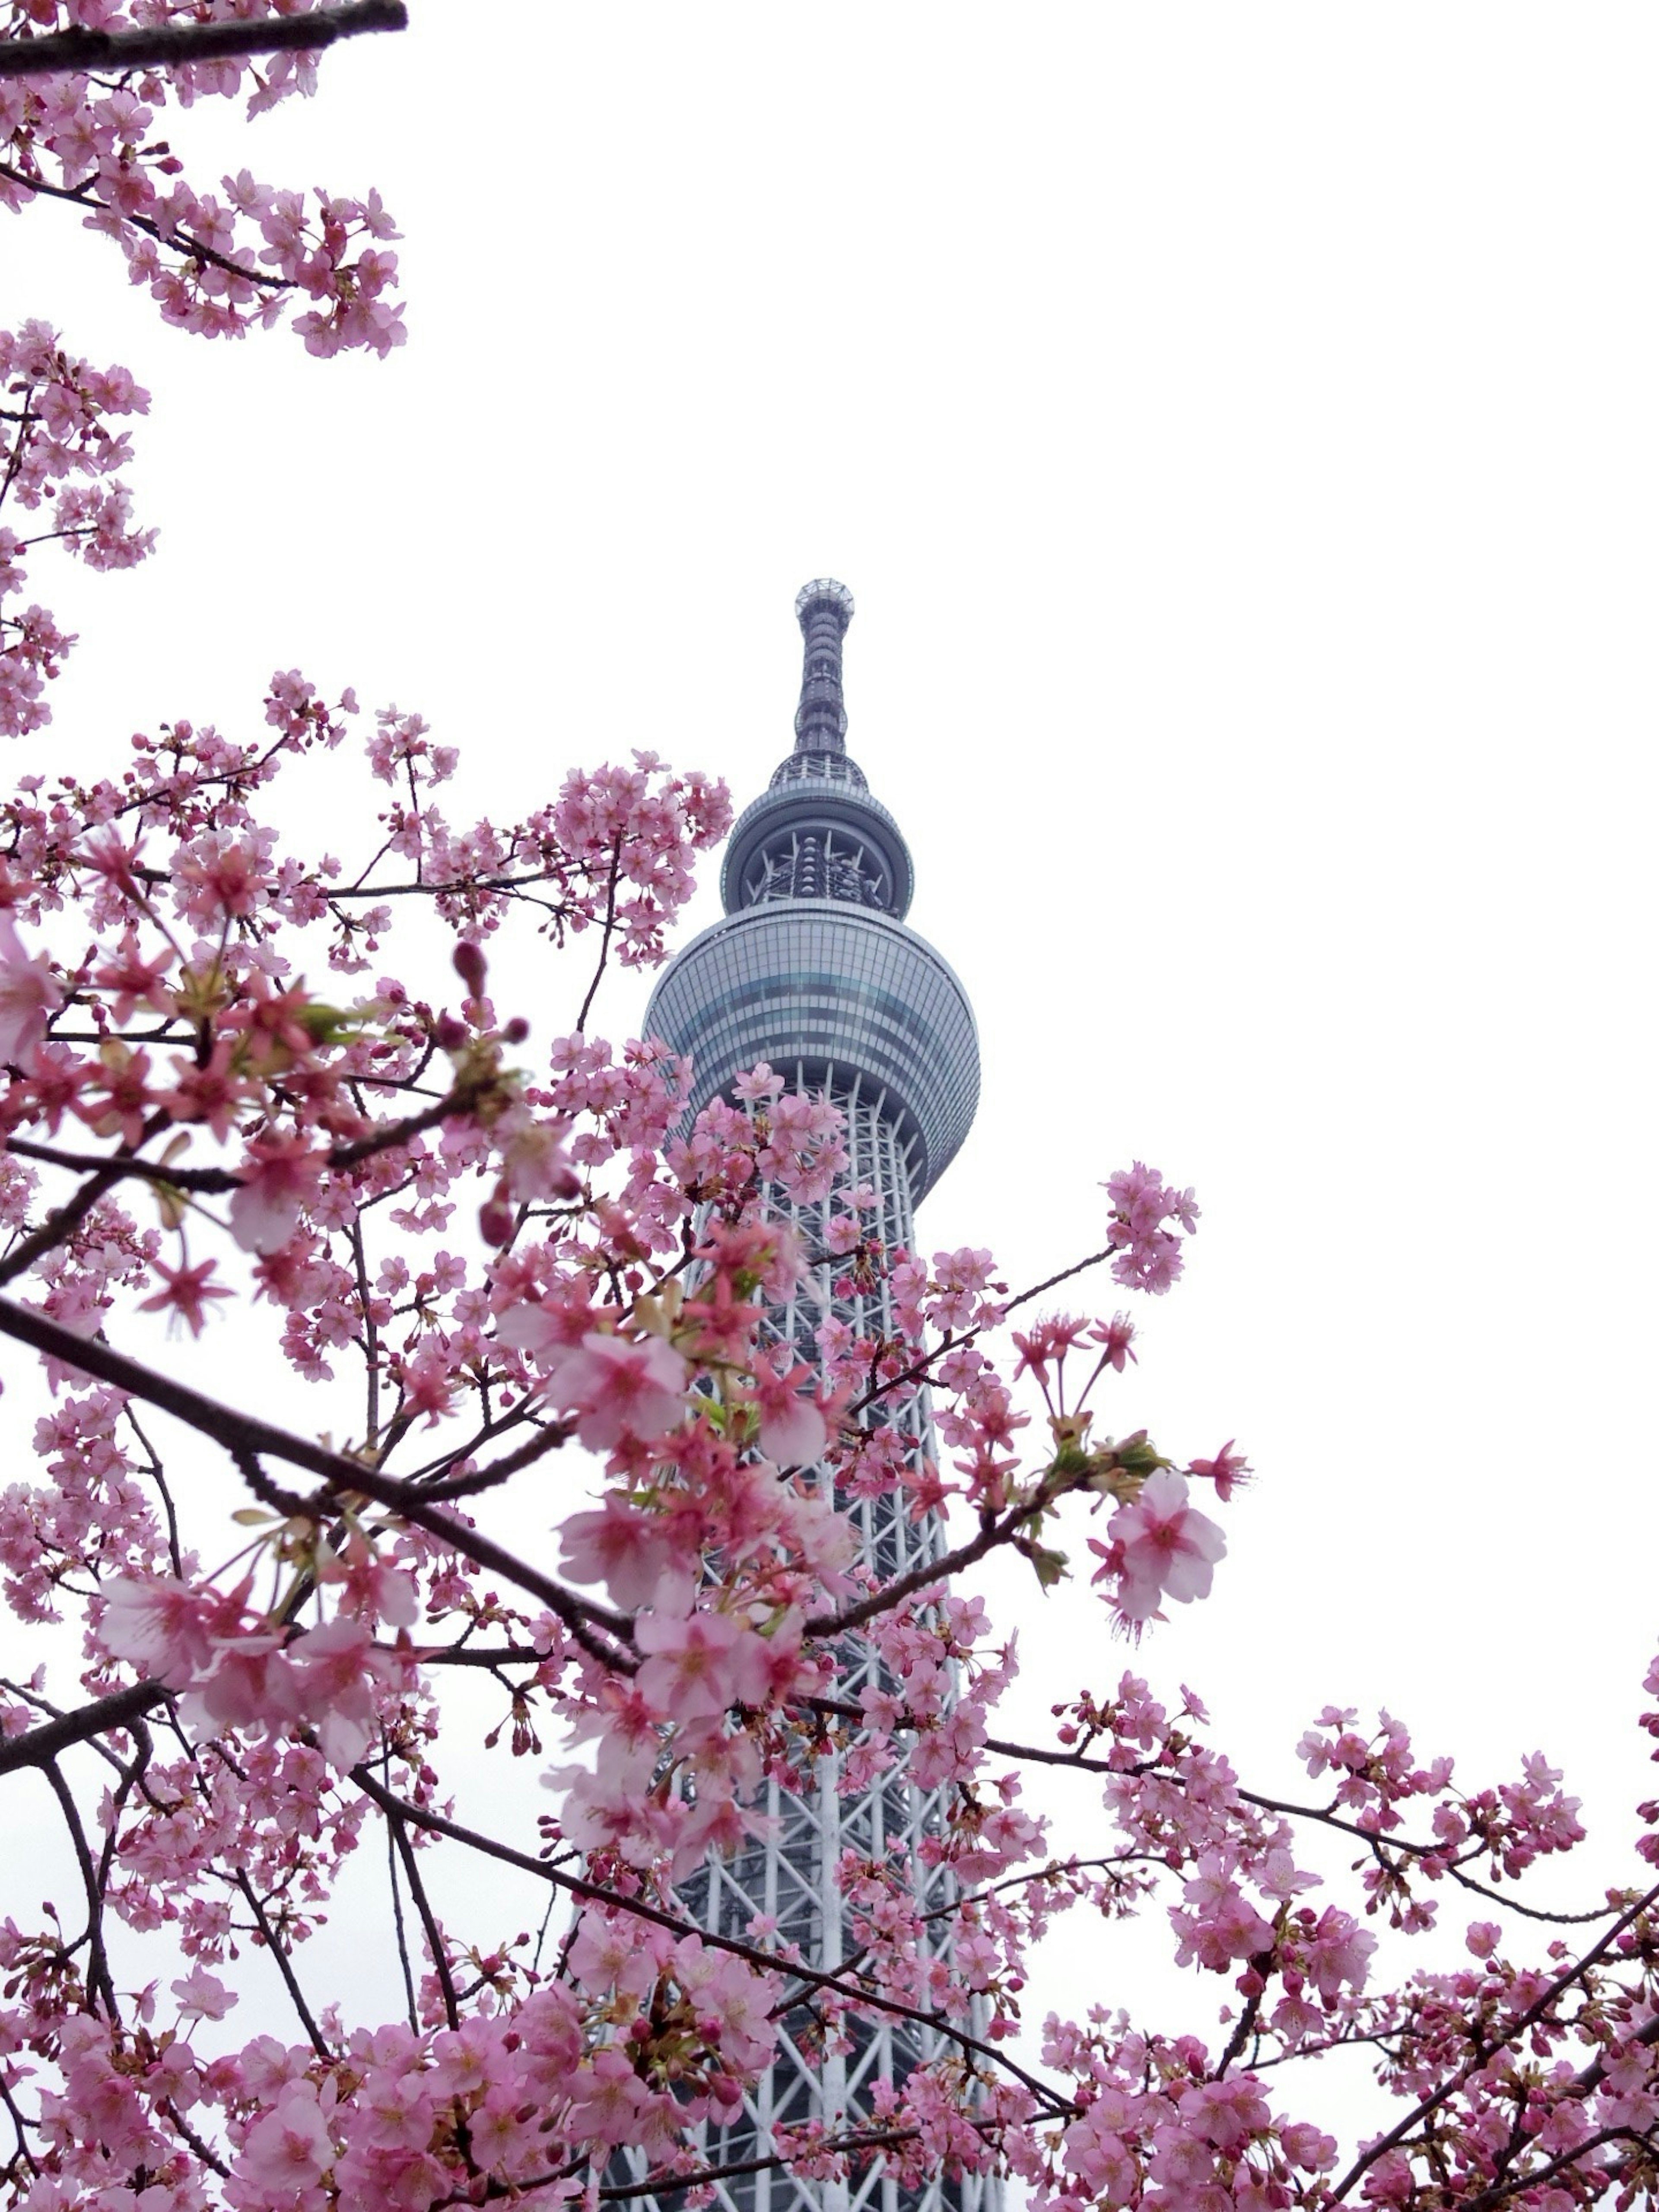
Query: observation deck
{"type": "Point", "coordinates": [813, 968]}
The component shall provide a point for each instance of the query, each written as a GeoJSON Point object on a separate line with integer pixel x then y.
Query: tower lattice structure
{"type": "Point", "coordinates": [813, 971]}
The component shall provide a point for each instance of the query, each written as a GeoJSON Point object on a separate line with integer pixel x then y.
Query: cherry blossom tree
{"type": "Point", "coordinates": [219, 262]}
{"type": "Point", "coordinates": [489, 1253]}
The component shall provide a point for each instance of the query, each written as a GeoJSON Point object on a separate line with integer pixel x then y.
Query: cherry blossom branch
{"type": "Point", "coordinates": [261, 1439]}
{"type": "Point", "coordinates": [894, 1593]}
{"type": "Point", "coordinates": [39, 1746]}
{"type": "Point", "coordinates": [273, 1942]}
{"type": "Point", "coordinates": [399, 1932]}
{"type": "Point", "coordinates": [176, 2120]}
{"type": "Point", "coordinates": [1080, 1760]}
{"type": "Point", "coordinates": [82, 50]}
{"type": "Point", "coordinates": [548, 1437]}
{"type": "Point", "coordinates": [434, 1941]}
{"type": "Point", "coordinates": [1499, 2193]}
{"type": "Point", "coordinates": [19, 2126]}
{"type": "Point", "coordinates": [606, 933]}
{"type": "Point", "coordinates": [1483, 2055]}
{"type": "Point", "coordinates": [767, 1962]}
{"type": "Point", "coordinates": [194, 249]}
{"type": "Point", "coordinates": [918, 1371]}
{"type": "Point", "coordinates": [59, 1223]}
{"type": "Point", "coordinates": [218, 1181]}
{"type": "Point", "coordinates": [98, 1974]}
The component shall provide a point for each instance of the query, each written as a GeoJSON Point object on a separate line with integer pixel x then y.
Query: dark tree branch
{"type": "Point", "coordinates": [273, 1943]}
{"type": "Point", "coordinates": [176, 2121]}
{"type": "Point", "coordinates": [244, 1434]}
{"type": "Point", "coordinates": [38, 1747]}
{"type": "Point", "coordinates": [82, 50]}
{"type": "Point", "coordinates": [106, 1169]}
{"type": "Point", "coordinates": [179, 242]}
{"type": "Point", "coordinates": [434, 1941]}
{"type": "Point", "coordinates": [1538, 2176]}
{"type": "Point", "coordinates": [891, 1593]}
{"type": "Point", "coordinates": [591, 1892]}
{"type": "Point", "coordinates": [1508, 2034]}
{"type": "Point", "coordinates": [606, 935]}
{"type": "Point", "coordinates": [59, 1223]}
{"type": "Point", "coordinates": [98, 1974]}
{"type": "Point", "coordinates": [393, 1839]}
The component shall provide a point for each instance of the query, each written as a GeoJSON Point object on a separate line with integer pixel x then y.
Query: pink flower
{"type": "Point", "coordinates": [1117, 1336]}
{"type": "Point", "coordinates": [1339, 1950]}
{"type": "Point", "coordinates": [1100, 2158]}
{"type": "Point", "coordinates": [252, 1685]}
{"type": "Point", "coordinates": [610, 2100]}
{"type": "Point", "coordinates": [621, 1386]}
{"type": "Point", "coordinates": [793, 1429]}
{"type": "Point", "coordinates": [202, 1997]}
{"type": "Point", "coordinates": [168, 1628]}
{"type": "Point", "coordinates": [627, 1550]}
{"type": "Point", "coordinates": [1168, 1547]}
{"type": "Point", "coordinates": [697, 1666]}
{"type": "Point", "coordinates": [29, 993]}
{"type": "Point", "coordinates": [132, 980]}
{"type": "Point", "coordinates": [290, 2148]}
{"type": "Point", "coordinates": [533, 1162]}
{"type": "Point", "coordinates": [336, 1667]}
{"type": "Point", "coordinates": [280, 1176]}
{"type": "Point", "coordinates": [184, 1294]}
{"type": "Point", "coordinates": [1227, 1470]}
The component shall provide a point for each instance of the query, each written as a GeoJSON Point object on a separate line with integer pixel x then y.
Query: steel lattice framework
{"type": "Point", "coordinates": [814, 971]}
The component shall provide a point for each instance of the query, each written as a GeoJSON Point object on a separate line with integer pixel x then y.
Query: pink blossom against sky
{"type": "Point", "coordinates": [1238, 435]}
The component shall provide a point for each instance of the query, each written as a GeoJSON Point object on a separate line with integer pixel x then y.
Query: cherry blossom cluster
{"type": "Point", "coordinates": [488, 1249]}
{"type": "Point", "coordinates": [1143, 1206]}
{"type": "Point", "coordinates": [214, 261]}
{"type": "Point", "coordinates": [56, 458]}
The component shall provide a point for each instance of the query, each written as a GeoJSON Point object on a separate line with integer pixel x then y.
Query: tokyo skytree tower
{"type": "Point", "coordinates": [813, 970]}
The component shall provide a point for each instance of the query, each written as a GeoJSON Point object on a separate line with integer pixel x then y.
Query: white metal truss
{"type": "Point", "coordinates": [792, 1878]}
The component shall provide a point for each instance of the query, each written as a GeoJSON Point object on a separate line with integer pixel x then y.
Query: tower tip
{"type": "Point", "coordinates": [824, 608]}
{"type": "Point", "coordinates": [824, 592]}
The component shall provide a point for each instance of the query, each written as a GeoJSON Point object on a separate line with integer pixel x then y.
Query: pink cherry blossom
{"type": "Point", "coordinates": [281, 1175]}
{"type": "Point", "coordinates": [1169, 1549]}
{"type": "Point", "coordinates": [621, 1386]}
{"type": "Point", "coordinates": [699, 1663]}
{"type": "Point", "coordinates": [185, 1294]}
{"type": "Point", "coordinates": [289, 2148]}
{"type": "Point", "coordinates": [29, 995]}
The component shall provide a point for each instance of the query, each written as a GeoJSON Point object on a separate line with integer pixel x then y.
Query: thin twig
{"type": "Point", "coordinates": [274, 1944]}
{"type": "Point", "coordinates": [434, 1941]}
{"type": "Point", "coordinates": [98, 1974]}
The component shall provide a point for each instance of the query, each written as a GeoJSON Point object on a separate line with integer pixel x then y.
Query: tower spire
{"type": "Point", "coordinates": [815, 832]}
{"type": "Point", "coordinates": [823, 609]}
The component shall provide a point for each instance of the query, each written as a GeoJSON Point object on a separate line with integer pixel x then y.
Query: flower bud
{"type": "Point", "coordinates": [471, 966]}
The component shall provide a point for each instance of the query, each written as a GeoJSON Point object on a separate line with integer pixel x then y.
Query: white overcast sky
{"type": "Point", "coordinates": [1236, 425]}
